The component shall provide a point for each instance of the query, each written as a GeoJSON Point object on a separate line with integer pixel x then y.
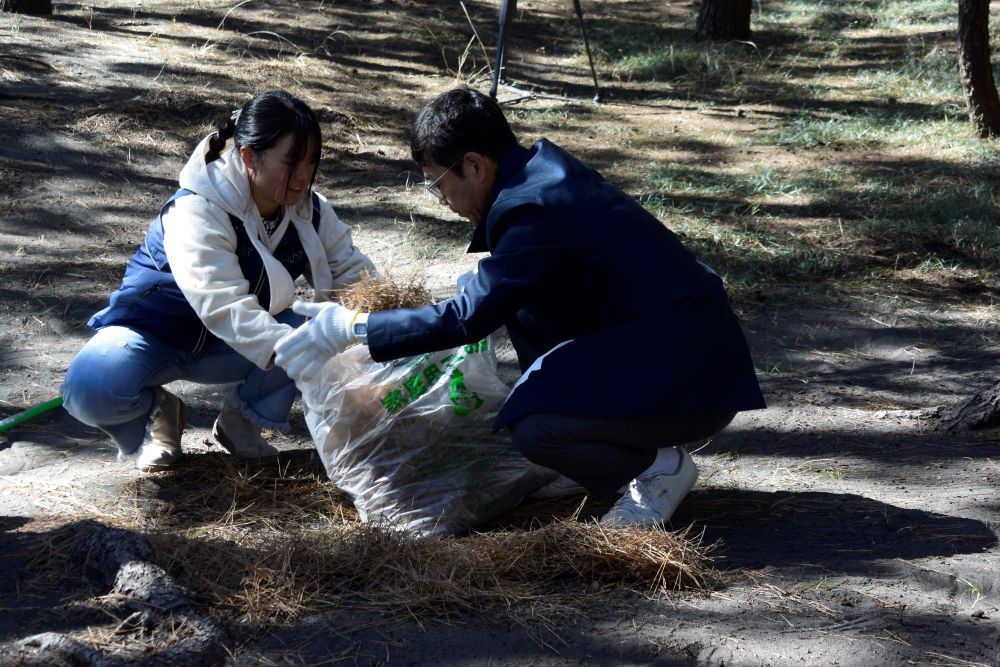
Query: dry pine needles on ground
{"type": "Point", "coordinates": [275, 542]}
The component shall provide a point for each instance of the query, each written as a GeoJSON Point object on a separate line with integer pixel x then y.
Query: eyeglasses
{"type": "Point", "coordinates": [432, 186]}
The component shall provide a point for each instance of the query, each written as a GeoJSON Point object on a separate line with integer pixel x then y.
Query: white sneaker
{"type": "Point", "coordinates": [560, 487]}
{"type": "Point", "coordinates": [651, 501]}
{"type": "Point", "coordinates": [162, 445]}
{"type": "Point", "coordinates": [240, 436]}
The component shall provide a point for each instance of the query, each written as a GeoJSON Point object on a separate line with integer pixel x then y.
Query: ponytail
{"type": "Point", "coordinates": [224, 129]}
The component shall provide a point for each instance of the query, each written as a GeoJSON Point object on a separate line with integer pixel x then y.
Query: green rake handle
{"type": "Point", "coordinates": [31, 413]}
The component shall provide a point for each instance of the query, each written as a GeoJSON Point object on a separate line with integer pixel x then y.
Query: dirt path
{"type": "Point", "coordinates": [853, 532]}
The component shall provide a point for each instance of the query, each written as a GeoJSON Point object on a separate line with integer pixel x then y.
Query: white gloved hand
{"type": "Point", "coordinates": [304, 351]}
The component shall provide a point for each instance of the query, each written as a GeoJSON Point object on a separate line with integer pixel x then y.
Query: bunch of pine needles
{"type": "Point", "coordinates": [384, 292]}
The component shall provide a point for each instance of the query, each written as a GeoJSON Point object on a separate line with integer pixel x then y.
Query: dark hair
{"type": "Point", "coordinates": [456, 122]}
{"type": "Point", "coordinates": [264, 121]}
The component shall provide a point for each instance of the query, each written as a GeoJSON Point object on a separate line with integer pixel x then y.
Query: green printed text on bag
{"type": "Point", "coordinates": [410, 440]}
{"type": "Point", "coordinates": [426, 376]}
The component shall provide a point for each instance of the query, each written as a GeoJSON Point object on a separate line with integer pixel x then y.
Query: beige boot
{"type": "Point", "coordinates": [162, 445]}
{"type": "Point", "coordinates": [239, 435]}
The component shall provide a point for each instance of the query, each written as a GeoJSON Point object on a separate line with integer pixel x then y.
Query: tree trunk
{"type": "Point", "coordinates": [974, 66]}
{"type": "Point", "coordinates": [980, 412]}
{"type": "Point", "coordinates": [723, 19]}
{"type": "Point", "coordinates": [26, 6]}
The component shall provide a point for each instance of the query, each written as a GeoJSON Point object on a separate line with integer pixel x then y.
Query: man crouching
{"type": "Point", "coordinates": [626, 342]}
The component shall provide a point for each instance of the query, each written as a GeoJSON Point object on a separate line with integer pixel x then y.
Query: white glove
{"type": "Point", "coordinates": [304, 351]}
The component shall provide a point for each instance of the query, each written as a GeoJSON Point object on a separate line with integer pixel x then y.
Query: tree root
{"type": "Point", "coordinates": [124, 562]}
{"type": "Point", "coordinates": [980, 412]}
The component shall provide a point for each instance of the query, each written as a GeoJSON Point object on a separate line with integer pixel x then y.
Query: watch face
{"type": "Point", "coordinates": [360, 328]}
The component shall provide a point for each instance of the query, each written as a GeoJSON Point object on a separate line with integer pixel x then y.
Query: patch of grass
{"type": "Point", "coordinates": [633, 52]}
{"type": "Point", "coordinates": [820, 50]}
{"type": "Point", "coordinates": [826, 16]}
{"type": "Point", "coordinates": [702, 182]}
{"type": "Point", "coordinates": [831, 473]}
{"type": "Point", "coordinates": [878, 128]}
{"type": "Point", "coordinates": [966, 590]}
{"type": "Point", "coordinates": [852, 221]}
{"type": "Point", "coordinates": [926, 74]}
{"type": "Point", "coordinates": [550, 119]}
{"type": "Point", "coordinates": [886, 180]}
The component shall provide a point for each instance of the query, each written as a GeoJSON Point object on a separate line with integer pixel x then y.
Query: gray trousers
{"type": "Point", "coordinates": [605, 453]}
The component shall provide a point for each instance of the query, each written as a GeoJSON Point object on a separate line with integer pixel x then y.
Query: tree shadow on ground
{"type": "Point", "coordinates": [36, 598]}
{"type": "Point", "coordinates": [905, 231]}
{"type": "Point", "coordinates": [58, 431]}
{"type": "Point", "coordinates": [664, 50]}
{"type": "Point", "coordinates": [897, 450]}
{"type": "Point", "coordinates": [51, 280]}
{"type": "Point", "coordinates": [853, 357]}
{"type": "Point", "coordinates": [904, 214]}
{"type": "Point", "coordinates": [345, 627]}
{"type": "Point", "coordinates": [281, 31]}
{"type": "Point", "coordinates": [819, 539]}
{"type": "Point", "coordinates": [840, 533]}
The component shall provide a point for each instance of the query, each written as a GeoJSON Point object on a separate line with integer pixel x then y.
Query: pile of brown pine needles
{"type": "Point", "coordinates": [275, 542]}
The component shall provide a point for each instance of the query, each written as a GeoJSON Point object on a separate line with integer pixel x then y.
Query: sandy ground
{"type": "Point", "coordinates": [854, 532]}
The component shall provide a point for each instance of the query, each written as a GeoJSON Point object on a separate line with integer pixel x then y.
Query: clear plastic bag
{"type": "Point", "coordinates": [409, 440]}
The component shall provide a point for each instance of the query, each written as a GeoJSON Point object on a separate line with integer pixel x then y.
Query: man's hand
{"type": "Point", "coordinates": [304, 351]}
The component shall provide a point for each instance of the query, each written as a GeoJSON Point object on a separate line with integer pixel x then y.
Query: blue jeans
{"type": "Point", "coordinates": [115, 381]}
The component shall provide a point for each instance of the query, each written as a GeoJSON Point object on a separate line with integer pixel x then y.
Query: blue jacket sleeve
{"type": "Point", "coordinates": [526, 251]}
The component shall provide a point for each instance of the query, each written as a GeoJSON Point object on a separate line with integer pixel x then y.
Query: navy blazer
{"type": "Point", "coordinates": [573, 258]}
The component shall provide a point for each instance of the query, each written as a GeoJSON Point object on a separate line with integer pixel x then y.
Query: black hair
{"type": "Point", "coordinates": [456, 122]}
{"type": "Point", "coordinates": [264, 121]}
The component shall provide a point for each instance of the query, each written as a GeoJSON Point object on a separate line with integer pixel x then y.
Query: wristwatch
{"type": "Point", "coordinates": [360, 328]}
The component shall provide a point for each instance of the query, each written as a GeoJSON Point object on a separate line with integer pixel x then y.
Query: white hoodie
{"type": "Point", "coordinates": [200, 244]}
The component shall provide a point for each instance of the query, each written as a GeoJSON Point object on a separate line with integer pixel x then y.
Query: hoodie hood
{"type": "Point", "coordinates": [226, 183]}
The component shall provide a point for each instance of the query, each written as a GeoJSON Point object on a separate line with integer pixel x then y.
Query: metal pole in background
{"type": "Point", "coordinates": [586, 43]}
{"type": "Point", "coordinates": [507, 7]}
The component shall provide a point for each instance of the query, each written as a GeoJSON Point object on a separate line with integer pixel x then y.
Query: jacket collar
{"type": "Point", "coordinates": [510, 164]}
